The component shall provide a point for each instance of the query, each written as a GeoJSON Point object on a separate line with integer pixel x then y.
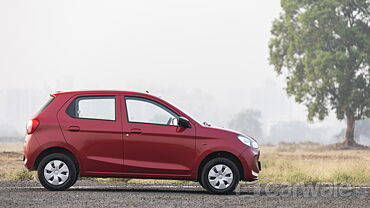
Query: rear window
{"type": "Point", "coordinates": [45, 105]}
{"type": "Point", "coordinates": [93, 107]}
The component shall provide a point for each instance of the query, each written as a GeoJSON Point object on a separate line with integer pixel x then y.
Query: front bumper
{"type": "Point", "coordinates": [251, 164]}
{"type": "Point", "coordinates": [259, 168]}
{"type": "Point", "coordinates": [259, 164]}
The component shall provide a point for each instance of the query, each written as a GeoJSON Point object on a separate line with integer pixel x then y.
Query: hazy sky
{"type": "Point", "coordinates": [118, 44]}
{"type": "Point", "coordinates": [210, 57]}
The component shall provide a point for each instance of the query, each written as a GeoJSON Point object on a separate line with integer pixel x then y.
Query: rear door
{"type": "Point", "coordinates": [92, 125]}
{"type": "Point", "coordinates": [154, 144]}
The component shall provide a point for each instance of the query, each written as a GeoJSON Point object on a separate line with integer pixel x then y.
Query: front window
{"type": "Point", "coordinates": [142, 110]}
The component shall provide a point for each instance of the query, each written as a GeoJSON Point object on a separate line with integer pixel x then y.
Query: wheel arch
{"type": "Point", "coordinates": [56, 149]}
{"type": "Point", "coordinates": [220, 154]}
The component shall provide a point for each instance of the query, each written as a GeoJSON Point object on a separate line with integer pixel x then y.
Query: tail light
{"type": "Point", "coordinates": [32, 125]}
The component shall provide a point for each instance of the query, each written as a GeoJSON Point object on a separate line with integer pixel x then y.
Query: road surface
{"type": "Point", "coordinates": [111, 194]}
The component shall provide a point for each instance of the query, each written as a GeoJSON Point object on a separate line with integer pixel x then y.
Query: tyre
{"type": "Point", "coordinates": [74, 182]}
{"type": "Point", "coordinates": [57, 172]}
{"type": "Point", "coordinates": [201, 183]}
{"type": "Point", "coordinates": [220, 176]}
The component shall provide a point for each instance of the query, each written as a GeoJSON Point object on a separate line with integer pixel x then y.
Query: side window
{"type": "Point", "coordinates": [93, 107]}
{"type": "Point", "coordinates": [141, 110]}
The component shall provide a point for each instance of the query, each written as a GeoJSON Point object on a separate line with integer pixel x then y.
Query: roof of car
{"type": "Point", "coordinates": [99, 92]}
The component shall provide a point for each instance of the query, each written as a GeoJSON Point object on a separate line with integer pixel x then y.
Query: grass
{"type": "Point", "coordinates": [286, 163]}
{"type": "Point", "coordinates": [11, 165]}
{"type": "Point", "coordinates": [21, 174]}
{"type": "Point", "coordinates": [11, 147]}
{"type": "Point", "coordinates": [309, 164]}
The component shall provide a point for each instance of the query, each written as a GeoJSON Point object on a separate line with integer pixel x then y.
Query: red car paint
{"type": "Point", "coordinates": [132, 150]}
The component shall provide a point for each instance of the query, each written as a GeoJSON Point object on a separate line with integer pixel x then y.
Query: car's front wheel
{"type": "Point", "coordinates": [220, 176]}
{"type": "Point", "coordinates": [57, 172]}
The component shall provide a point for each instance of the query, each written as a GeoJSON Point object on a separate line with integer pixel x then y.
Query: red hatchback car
{"type": "Point", "coordinates": [133, 135]}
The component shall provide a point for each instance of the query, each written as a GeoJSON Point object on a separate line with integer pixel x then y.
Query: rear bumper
{"type": "Point", "coordinates": [29, 149]}
{"type": "Point", "coordinates": [251, 164]}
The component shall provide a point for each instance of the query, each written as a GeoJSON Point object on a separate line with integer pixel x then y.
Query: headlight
{"type": "Point", "coordinates": [248, 141]}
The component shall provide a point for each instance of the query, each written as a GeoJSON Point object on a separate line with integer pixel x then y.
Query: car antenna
{"type": "Point", "coordinates": [147, 91]}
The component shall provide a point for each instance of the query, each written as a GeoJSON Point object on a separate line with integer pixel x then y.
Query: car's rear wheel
{"type": "Point", "coordinates": [220, 176]}
{"type": "Point", "coordinates": [57, 172]}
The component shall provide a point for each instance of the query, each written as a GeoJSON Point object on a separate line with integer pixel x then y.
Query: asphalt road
{"type": "Point", "coordinates": [103, 194]}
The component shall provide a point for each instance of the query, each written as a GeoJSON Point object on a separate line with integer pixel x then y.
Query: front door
{"type": "Point", "coordinates": [153, 142]}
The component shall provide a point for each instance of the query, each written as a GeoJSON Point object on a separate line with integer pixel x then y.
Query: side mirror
{"type": "Point", "coordinates": [183, 122]}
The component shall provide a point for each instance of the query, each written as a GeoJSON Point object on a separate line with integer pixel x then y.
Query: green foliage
{"type": "Point", "coordinates": [322, 47]}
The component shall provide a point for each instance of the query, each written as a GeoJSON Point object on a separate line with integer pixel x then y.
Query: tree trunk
{"type": "Point", "coordinates": [349, 139]}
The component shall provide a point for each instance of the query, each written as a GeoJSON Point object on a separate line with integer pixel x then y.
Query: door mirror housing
{"type": "Point", "coordinates": [184, 122]}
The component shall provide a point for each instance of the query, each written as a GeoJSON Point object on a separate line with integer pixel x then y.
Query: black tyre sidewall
{"type": "Point", "coordinates": [223, 161]}
{"type": "Point", "coordinates": [72, 172]}
{"type": "Point", "coordinates": [201, 183]}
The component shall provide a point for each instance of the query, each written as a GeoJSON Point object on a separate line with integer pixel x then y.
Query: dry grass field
{"type": "Point", "coordinates": [11, 164]}
{"type": "Point", "coordinates": [303, 163]}
{"type": "Point", "coordinates": [310, 163]}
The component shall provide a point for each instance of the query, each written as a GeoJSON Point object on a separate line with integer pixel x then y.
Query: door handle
{"type": "Point", "coordinates": [135, 131]}
{"type": "Point", "coordinates": [74, 128]}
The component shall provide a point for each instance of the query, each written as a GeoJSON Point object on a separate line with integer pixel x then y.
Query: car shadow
{"type": "Point", "coordinates": [154, 190]}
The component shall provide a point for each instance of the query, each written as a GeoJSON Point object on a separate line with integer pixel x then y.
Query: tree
{"type": "Point", "coordinates": [322, 47]}
{"type": "Point", "coordinates": [248, 122]}
{"type": "Point", "coordinates": [362, 130]}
